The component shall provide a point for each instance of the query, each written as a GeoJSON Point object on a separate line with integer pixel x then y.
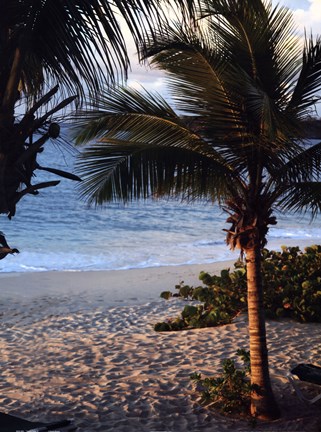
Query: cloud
{"type": "Point", "coordinates": [309, 19]}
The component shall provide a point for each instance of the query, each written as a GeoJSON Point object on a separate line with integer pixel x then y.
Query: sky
{"type": "Point", "coordinates": [307, 15]}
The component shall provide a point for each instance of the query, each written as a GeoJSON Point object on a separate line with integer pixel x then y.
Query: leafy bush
{"type": "Point", "coordinates": [230, 391]}
{"type": "Point", "coordinates": [291, 282]}
{"type": "Point", "coordinates": [220, 301]}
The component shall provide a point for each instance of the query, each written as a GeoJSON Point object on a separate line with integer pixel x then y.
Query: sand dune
{"type": "Point", "coordinates": [72, 353]}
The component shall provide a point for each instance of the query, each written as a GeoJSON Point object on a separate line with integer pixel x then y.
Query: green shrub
{"type": "Point", "coordinates": [219, 303]}
{"type": "Point", "coordinates": [230, 391]}
{"type": "Point", "coordinates": [291, 283]}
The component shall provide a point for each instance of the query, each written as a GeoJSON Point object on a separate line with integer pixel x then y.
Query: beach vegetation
{"type": "Point", "coordinates": [218, 302]}
{"type": "Point", "coordinates": [230, 390]}
{"type": "Point", "coordinates": [241, 84]}
{"type": "Point", "coordinates": [291, 289]}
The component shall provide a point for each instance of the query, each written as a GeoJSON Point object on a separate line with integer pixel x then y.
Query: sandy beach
{"type": "Point", "coordinates": [81, 345]}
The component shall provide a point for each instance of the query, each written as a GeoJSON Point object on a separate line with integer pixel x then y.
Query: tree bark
{"type": "Point", "coordinates": [263, 403]}
{"type": "Point", "coordinates": [10, 94]}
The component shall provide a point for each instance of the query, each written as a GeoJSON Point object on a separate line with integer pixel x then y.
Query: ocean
{"type": "Point", "coordinates": [56, 230]}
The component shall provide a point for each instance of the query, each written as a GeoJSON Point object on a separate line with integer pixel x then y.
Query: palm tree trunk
{"type": "Point", "coordinates": [263, 404]}
{"type": "Point", "coordinates": [10, 95]}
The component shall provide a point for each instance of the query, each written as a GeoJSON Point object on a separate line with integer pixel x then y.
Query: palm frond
{"type": "Point", "coordinates": [301, 197]}
{"type": "Point", "coordinates": [195, 73]}
{"type": "Point", "coordinates": [139, 116]}
{"type": "Point", "coordinates": [308, 83]}
{"type": "Point", "coordinates": [112, 105]}
{"type": "Point", "coordinates": [261, 42]}
{"type": "Point", "coordinates": [204, 78]}
{"type": "Point", "coordinates": [124, 171]}
{"type": "Point", "coordinates": [305, 166]}
{"type": "Point", "coordinates": [137, 132]}
{"type": "Point", "coordinates": [79, 44]}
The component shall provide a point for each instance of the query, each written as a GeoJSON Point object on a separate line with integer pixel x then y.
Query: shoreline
{"type": "Point", "coordinates": [24, 263]}
{"type": "Point", "coordinates": [141, 284]}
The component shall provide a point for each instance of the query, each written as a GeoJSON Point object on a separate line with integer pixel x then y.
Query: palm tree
{"type": "Point", "coordinates": [242, 84]}
{"type": "Point", "coordinates": [78, 45]}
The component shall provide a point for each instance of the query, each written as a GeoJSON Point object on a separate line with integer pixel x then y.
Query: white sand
{"type": "Point", "coordinates": [81, 345]}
